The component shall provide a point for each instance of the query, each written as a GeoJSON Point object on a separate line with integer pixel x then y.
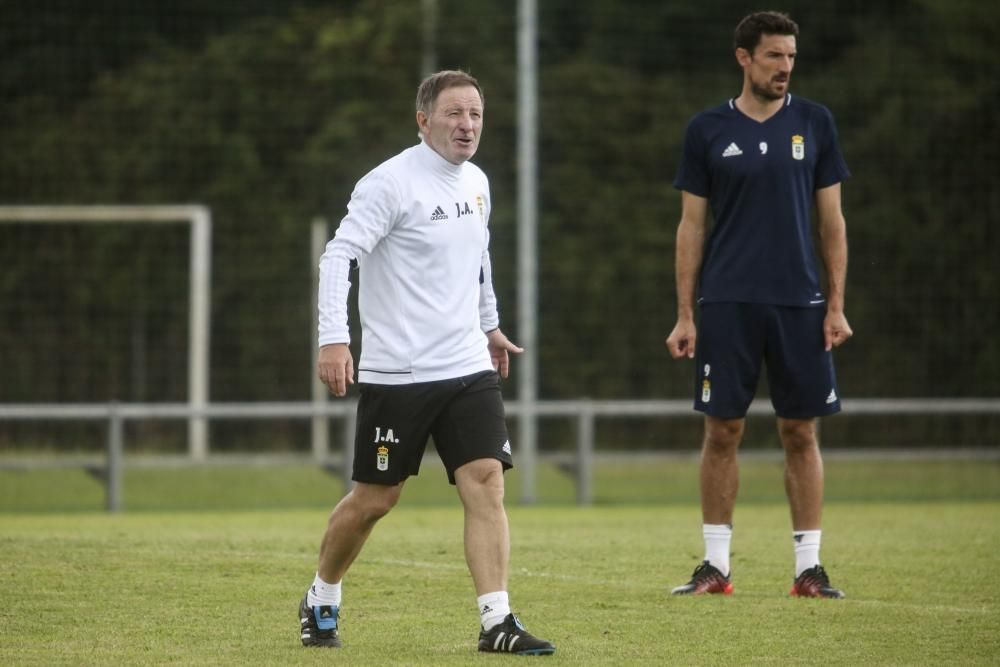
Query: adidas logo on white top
{"type": "Point", "coordinates": [731, 150]}
{"type": "Point", "coordinates": [439, 214]}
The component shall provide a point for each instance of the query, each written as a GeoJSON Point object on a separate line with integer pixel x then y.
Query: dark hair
{"type": "Point", "coordinates": [749, 31]}
{"type": "Point", "coordinates": [433, 85]}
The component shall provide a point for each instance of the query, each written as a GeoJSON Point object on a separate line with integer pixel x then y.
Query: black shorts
{"type": "Point", "coordinates": [733, 340]}
{"type": "Point", "coordinates": [465, 416]}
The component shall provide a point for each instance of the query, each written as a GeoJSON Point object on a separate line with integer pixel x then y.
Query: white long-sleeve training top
{"type": "Point", "coordinates": [417, 226]}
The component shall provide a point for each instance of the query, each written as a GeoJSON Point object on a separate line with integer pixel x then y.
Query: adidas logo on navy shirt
{"type": "Point", "coordinates": [731, 150]}
{"type": "Point", "coordinates": [438, 214]}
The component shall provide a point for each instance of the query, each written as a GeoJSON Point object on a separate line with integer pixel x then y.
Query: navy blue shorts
{"type": "Point", "coordinates": [464, 415]}
{"type": "Point", "coordinates": [733, 340]}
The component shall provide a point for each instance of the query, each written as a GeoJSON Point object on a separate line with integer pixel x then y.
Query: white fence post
{"type": "Point", "coordinates": [116, 450]}
{"type": "Point", "coordinates": [350, 427]}
{"type": "Point", "coordinates": [320, 394]}
{"type": "Point", "coordinates": [585, 454]}
{"type": "Point", "coordinates": [200, 329]}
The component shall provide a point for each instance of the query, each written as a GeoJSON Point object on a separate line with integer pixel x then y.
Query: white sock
{"type": "Point", "coordinates": [717, 539]}
{"type": "Point", "coordinates": [322, 593]}
{"type": "Point", "coordinates": [493, 608]}
{"type": "Point", "coordinates": [806, 549]}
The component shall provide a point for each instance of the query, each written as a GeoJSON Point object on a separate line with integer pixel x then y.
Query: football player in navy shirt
{"type": "Point", "coordinates": [760, 163]}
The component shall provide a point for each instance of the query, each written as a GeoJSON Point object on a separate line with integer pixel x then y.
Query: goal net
{"type": "Point", "coordinates": [106, 303]}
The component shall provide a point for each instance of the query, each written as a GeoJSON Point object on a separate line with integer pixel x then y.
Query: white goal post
{"type": "Point", "coordinates": [200, 272]}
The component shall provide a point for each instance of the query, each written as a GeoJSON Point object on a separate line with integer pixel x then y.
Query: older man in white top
{"type": "Point", "coordinates": [432, 354]}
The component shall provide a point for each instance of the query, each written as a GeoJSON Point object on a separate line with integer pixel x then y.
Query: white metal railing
{"type": "Point", "coordinates": [586, 412]}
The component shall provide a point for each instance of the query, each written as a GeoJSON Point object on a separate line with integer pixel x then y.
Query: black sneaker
{"type": "Point", "coordinates": [706, 579]}
{"type": "Point", "coordinates": [509, 636]}
{"type": "Point", "coordinates": [318, 625]}
{"type": "Point", "coordinates": [814, 583]}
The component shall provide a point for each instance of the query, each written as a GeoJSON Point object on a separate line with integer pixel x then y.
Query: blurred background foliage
{"type": "Point", "coordinates": [268, 113]}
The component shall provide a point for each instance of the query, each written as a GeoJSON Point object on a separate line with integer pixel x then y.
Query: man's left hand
{"type": "Point", "coordinates": [836, 330]}
{"type": "Point", "coordinates": [499, 348]}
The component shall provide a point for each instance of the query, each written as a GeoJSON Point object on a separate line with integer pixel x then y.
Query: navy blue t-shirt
{"type": "Point", "coordinates": [760, 180]}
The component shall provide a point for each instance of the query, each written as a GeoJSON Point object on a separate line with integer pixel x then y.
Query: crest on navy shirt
{"type": "Point", "coordinates": [798, 147]}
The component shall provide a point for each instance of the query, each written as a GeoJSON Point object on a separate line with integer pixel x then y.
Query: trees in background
{"type": "Point", "coordinates": [270, 116]}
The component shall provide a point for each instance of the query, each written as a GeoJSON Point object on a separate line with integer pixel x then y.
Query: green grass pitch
{"type": "Point", "coordinates": [192, 586]}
